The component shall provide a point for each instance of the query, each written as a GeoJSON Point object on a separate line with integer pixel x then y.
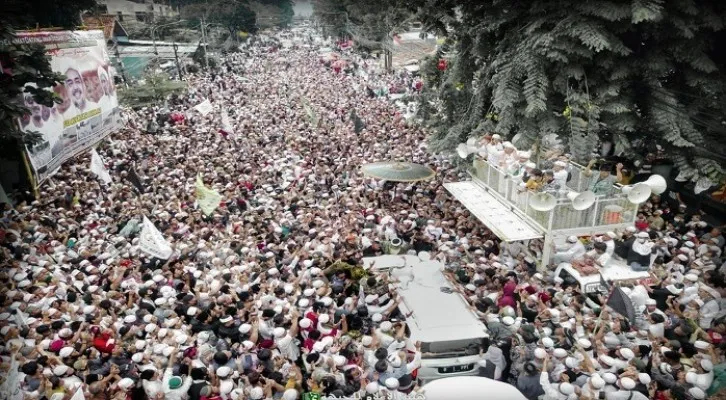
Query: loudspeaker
{"type": "Point", "coordinates": [462, 150]}
{"type": "Point", "coordinates": [637, 193]}
{"type": "Point", "coordinates": [542, 202]}
{"type": "Point", "coordinates": [657, 184]}
{"type": "Point", "coordinates": [581, 201]}
{"type": "Point", "coordinates": [472, 145]}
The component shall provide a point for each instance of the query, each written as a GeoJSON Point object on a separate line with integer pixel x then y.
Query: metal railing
{"type": "Point", "coordinates": [606, 210]}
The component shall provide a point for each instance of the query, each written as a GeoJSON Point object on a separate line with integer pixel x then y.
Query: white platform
{"type": "Point", "coordinates": [497, 216]}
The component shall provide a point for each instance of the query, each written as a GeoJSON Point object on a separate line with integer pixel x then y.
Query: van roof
{"type": "Point", "coordinates": [437, 316]}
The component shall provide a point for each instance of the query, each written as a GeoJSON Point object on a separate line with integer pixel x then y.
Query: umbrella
{"type": "Point", "coordinates": [398, 171]}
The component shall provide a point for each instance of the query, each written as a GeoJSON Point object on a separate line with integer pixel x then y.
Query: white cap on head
{"type": "Point", "coordinates": [540, 353]}
{"type": "Point", "coordinates": [627, 383]}
{"type": "Point", "coordinates": [305, 323]}
{"type": "Point", "coordinates": [392, 383]}
{"type": "Point", "coordinates": [566, 388]}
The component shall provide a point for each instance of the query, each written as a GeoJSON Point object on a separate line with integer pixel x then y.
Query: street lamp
{"type": "Point", "coordinates": [153, 39]}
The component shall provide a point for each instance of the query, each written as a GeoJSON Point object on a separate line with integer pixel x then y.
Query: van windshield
{"type": "Point", "coordinates": [451, 348]}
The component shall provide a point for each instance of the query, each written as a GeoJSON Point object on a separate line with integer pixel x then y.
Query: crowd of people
{"type": "Point", "coordinates": [264, 298]}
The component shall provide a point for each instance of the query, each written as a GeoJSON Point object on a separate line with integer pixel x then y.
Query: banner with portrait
{"type": "Point", "coordinates": [88, 110]}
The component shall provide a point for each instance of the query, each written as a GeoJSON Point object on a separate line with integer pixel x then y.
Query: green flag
{"type": "Point", "coordinates": [312, 117]}
{"type": "Point", "coordinates": [311, 396]}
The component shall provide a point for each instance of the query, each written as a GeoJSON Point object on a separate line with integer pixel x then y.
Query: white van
{"type": "Point", "coordinates": [616, 271]}
{"type": "Point", "coordinates": [449, 332]}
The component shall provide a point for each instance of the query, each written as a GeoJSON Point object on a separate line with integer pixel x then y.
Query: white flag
{"type": "Point", "coordinates": [79, 394]}
{"type": "Point", "coordinates": [10, 388]}
{"type": "Point", "coordinates": [226, 124]}
{"type": "Point", "coordinates": [204, 107]}
{"type": "Point", "coordinates": [98, 168]}
{"type": "Point", "coordinates": [152, 242]}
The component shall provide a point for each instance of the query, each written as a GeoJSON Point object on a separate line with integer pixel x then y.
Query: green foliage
{"type": "Point", "coordinates": [29, 14]}
{"type": "Point", "coordinates": [234, 16]}
{"type": "Point", "coordinates": [644, 72]}
{"type": "Point", "coordinates": [22, 64]}
{"type": "Point", "coordinates": [154, 90]}
{"type": "Point", "coordinates": [368, 22]}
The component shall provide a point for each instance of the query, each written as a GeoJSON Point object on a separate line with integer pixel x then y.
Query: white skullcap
{"type": "Point", "coordinates": [392, 383]}
{"type": "Point", "coordinates": [279, 332]}
{"type": "Point", "coordinates": [548, 343]}
{"type": "Point", "coordinates": [566, 388]}
{"type": "Point", "coordinates": [66, 352]}
{"type": "Point", "coordinates": [305, 323]}
{"type": "Point", "coordinates": [627, 354]}
{"type": "Point", "coordinates": [303, 303]}
{"type": "Point", "coordinates": [644, 378]}
{"type": "Point", "coordinates": [572, 239]}
{"type": "Point", "coordinates": [386, 326]}
{"type": "Point", "coordinates": [372, 388]}
{"type": "Point", "coordinates": [244, 328]}
{"type": "Point", "coordinates": [377, 317]}
{"type": "Point", "coordinates": [597, 382]}
{"type": "Point", "coordinates": [627, 383]}
{"type": "Point", "coordinates": [339, 360]}
{"type": "Point", "coordinates": [290, 394]}
{"type": "Point", "coordinates": [224, 371]}
{"type": "Point", "coordinates": [125, 383]}
{"type": "Point", "coordinates": [137, 358]}
{"type": "Point", "coordinates": [540, 353]}
{"type": "Point", "coordinates": [256, 393]}
{"type": "Point", "coordinates": [560, 353]}
{"type": "Point", "coordinates": [324, 318]}
{"type": "Point", "coordinates": [609, 377]}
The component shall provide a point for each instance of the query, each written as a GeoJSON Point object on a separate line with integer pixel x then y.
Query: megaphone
{"type": "Point", "coordinates": [463, 150]}
{"type": "Point", "coordinates": [657, 184]}
{"type": "Point", "coordinates": [542, 202]}
{"type": "Point", "coordinates": [581, 201]}
{"type": "Point", "coordinates": [637, 193]}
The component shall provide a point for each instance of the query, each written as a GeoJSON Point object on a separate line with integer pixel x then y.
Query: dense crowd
{"type": "Point", "coordinates": [266, 298]}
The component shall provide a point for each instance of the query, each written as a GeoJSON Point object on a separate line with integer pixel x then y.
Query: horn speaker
{"type": "Point", "coordinates": [637, 193]}
{"type": "Point", "coordinates": [542, 202]}
{"type": "Point", "coordinates": [581, 201]}
{"type": "Point", "coordinates": [657, 184]}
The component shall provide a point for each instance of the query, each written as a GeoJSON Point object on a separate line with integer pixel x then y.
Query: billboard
{"type": "Point", "coordinates": [88, 110]}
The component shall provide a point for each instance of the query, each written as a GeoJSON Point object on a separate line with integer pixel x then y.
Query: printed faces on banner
{"type": "Point", "coordinates": [204, 107]}
{"type": "Point", "coordinates": [152, 242]}
{"type": "Point", "coordinates": [88, 109]}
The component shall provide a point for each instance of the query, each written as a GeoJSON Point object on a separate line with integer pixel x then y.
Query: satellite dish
{"type": "Point", "coordinates": [542, 202]}
{"type": "Point", "coordinates": [637, 193]}
{"type": "Point", "coordinates": [657, 184]}
{"type": "Point", "coordinates": [581, 201]}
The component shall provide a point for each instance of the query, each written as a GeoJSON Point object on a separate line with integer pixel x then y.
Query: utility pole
{"type": "Point", "coordinates": [120, 63]}
{"type": "Point", "coordinates": [204, 44]}
{"type": "Point", "coordinates": [176, 56]}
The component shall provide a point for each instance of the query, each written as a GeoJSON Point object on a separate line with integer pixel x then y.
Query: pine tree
{"type": "Point", "coordinates": [643, 72]}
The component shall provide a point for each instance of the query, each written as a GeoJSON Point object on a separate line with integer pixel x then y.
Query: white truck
{"type": "Point", "coordinates": [450, 333]}
{"type": "Point", "coordinates": [615, 271]}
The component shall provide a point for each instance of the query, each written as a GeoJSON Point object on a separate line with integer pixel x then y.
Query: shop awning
{"type": "Point", "coordinates": [497, 216]}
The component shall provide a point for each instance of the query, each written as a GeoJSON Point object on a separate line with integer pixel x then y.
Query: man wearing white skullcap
{"type": "Point", "coordinates": [573, 249]}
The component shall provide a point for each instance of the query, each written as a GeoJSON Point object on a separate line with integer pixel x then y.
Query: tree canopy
{"type": "Point", "coordinates": [639, 73]}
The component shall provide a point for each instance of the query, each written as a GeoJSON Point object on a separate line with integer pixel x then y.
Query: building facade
{"type": "Point", "coordinates": [145, 11]}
